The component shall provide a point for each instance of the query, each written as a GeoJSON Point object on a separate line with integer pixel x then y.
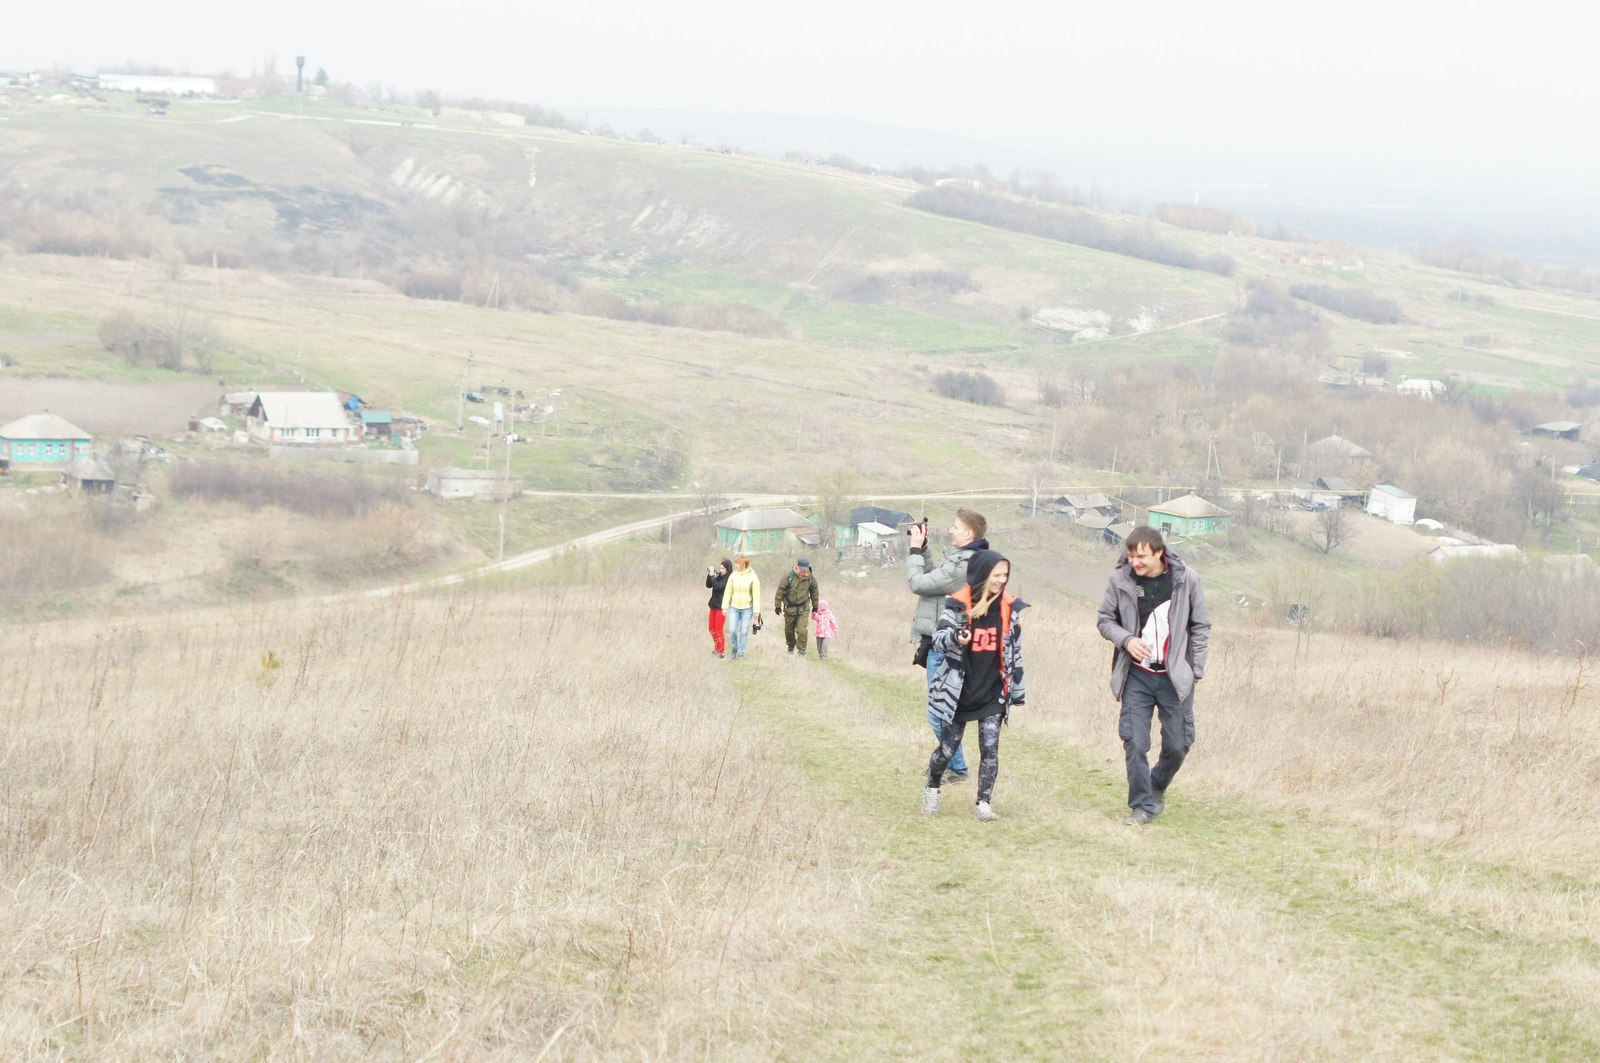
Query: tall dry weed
{"type": "Point", "coordinates": [482, 826]}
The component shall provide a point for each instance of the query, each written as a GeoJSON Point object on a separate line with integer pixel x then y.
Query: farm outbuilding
{"type": "Point", "coordinates": [89, 477]}
{"type": "Point", "coordinates": [1558, 430]}
{"type": "Point", "coordinates": [849, 533]}
{"type": "Point", "coordinates": [1392, 504]}
{"type": "Point", "coordinates": [762, 531]}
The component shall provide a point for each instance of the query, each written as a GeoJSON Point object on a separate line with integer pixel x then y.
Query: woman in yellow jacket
{"type": "Point", "coordinates": [739, 600]}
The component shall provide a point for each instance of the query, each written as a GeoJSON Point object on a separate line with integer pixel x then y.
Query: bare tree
{"type": "Point", "coordinates": [834, 490]}
{"type": "Point", "coordinates": [1333, 529]}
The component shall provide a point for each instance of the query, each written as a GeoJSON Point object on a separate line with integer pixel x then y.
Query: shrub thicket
{"type": "Point", "coordinates": [321, 494]}
{"type": "Point", "coordinates": [1351, 302]}
{"type": "Point", "coordinates": [979, 388]}
{"type": "Point", "coordinates": [1066, 225]}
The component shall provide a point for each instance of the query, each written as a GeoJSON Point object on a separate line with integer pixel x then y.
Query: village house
{"type": "Point", "coordinates": [1392, 504]}
{"type": "Point", "coordinates": [1189, 515]}
{"type": "Point", "coordinates": [762, 531]}
{"type": "Point", "coordinates": [301, 418]}
{"type": "Point", "coordinates": [42, 441]}
{"type": "Point", "coordinates": [1335, 451]}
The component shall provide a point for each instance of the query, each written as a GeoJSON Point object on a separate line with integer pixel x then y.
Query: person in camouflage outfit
{"type": "Point", "coordinates": [796, 600]}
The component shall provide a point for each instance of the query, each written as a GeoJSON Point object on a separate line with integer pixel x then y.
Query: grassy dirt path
{"type": "Point", "coordinates": [1219, 931]}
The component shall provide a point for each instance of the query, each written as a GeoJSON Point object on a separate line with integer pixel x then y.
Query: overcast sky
{"type": "Point", "coordinates": [1228, 87]}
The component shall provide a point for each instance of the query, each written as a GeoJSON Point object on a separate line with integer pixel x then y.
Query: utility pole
{"type": "Point", "coordinates": [505, 486]}
{"type": "Point", "coordinates": [461, 395]}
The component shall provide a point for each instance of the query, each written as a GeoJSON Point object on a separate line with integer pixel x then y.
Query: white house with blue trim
{"type": "Point", "coordinates": [43, 441]}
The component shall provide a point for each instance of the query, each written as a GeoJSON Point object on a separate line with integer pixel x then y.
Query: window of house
{"type": "Point", "coordinates": [313, 432]}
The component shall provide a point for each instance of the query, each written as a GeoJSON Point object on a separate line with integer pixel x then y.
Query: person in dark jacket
{"type": "Point", "coordinates": [795, 601]}
{"type": "Point", "coordinates": [717, 621]}
{"type": "Point", "coordinates": [980, 675]}
{"type": "Point", "coordinates": [931, 584]}
{"type": "Point", "coordinates": [1154, 613]}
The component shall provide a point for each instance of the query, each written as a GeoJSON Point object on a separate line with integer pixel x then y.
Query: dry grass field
{"type": "Point", "coordinates": [541, 821]}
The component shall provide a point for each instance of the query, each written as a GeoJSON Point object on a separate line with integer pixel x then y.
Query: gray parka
{"type": "Point", "coordinates": [932, 585]}
{"type": "Point", "coordinates": [1191, 624]}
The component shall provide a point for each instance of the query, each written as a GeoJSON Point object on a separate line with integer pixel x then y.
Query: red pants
{"type": "Point", "coordinates": [716, 624]}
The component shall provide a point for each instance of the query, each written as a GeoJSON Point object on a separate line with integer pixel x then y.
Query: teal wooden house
{"type": "Point", "coordinates": [763, 531]}
{"type": "Point", "coordinates": [42, 441]}
{"type": "Point", "coordinates": [1189, 515]}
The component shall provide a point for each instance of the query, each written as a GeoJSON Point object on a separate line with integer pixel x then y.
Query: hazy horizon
{"type": "Point", "coordinates": [1372, 104]}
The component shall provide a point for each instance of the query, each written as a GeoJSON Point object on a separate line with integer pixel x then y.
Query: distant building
{"type": "Point", "coordinates": [1392, 504]}
{"type": "Point", "coordinates": [1417, 388]}
{"type": "Point", "coordinates": [762, 531]}
{"type": "Point", "coordinates": [1348, 493]}
{"type": "Point", "coordinates": [1455, 551]}
{"type": "Point", "coordinates": [1558, 430]}
{"type": "Point", "coordinates": [42, 440]}
{"type": "Point", "coordinates": [1189, 515]}
{"type": "Point", "coordinates": [377, 423]}
{"type": "Point", "coordinates": [159, 84]}
{"type": "Point", "coordinates": [850, 532]}
{"type": "Point", "coordinates": [89, 477]}
{"type": "Point", "coordinates": [1336, 450]}
{"type": "Point", "coordinates": [304, 418]}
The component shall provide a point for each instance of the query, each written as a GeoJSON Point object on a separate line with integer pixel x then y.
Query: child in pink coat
{"type": "Point", "coordinates": [825, 626]}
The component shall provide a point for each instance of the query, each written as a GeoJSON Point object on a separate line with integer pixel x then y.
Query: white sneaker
{"type": "Point", "coordinates": [986, 814]}
{"type": "Point", "coordinates": [930, 801]}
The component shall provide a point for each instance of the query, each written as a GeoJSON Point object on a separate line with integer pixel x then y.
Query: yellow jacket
{"type": "Point", "coordinates": [743, 590]}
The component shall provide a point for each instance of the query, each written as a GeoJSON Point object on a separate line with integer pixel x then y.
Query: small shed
{"type": "Point", "coordinates": [845, 534]}
{"type": "Point", "coordinates": [878, 538]}
{"type": "Point", "coordinates": [1392, 504]}
{"type": "Point", "coordinates": [235, 403]}
{"type": "Point", "coordinates": [89, 477]}
{"type": "Point", "coordinates": [377, 424]}
{"type": "Point", "coordinates": [761, 531]}
{"type": "Point", "coordinates": [1347, 491]}
{"type": "Point", "coordinates": [1189, 515]}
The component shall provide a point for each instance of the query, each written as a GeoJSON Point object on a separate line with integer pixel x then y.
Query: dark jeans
{"type": "Point", "coordinates": [796, 629]}
{"type": "Point", "coordinates": [1146, 695]}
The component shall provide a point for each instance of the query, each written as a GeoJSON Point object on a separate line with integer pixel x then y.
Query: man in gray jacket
{"type": "Point", "coordinates": [1154, 613]}
{"type": "Point", "coordinates": [931, 585]}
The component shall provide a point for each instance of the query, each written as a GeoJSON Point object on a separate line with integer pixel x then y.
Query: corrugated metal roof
{"type": "Point", "coordinates": [303, 409]}
{"type": "Point", "coordinates": [764, 520]}
{"type": "Point", "coordinates": [1189, 506]}
{"type": "Point", "coordinates": [1393, 491]}
{"type": "Point", "coordinates": [42, 426]}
